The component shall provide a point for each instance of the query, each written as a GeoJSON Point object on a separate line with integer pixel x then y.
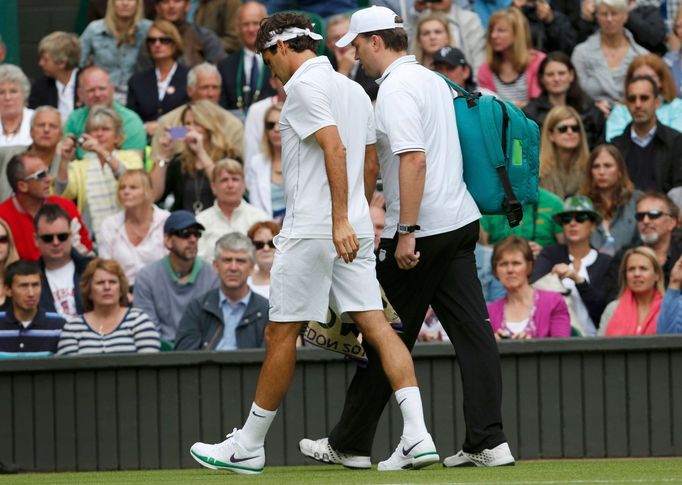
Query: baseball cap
{"type": "Point", "coordinates": [451, 56]}
{"type": "Point", "coordinates": [179, 220]}
{"type": "Point", "coordinates": [369, 20]}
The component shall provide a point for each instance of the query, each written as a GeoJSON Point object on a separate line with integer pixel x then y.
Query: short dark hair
{"type": "Point", "coordinates": [643, 77]}
{"type": "Point", "coordinates": [20, 268]}
{"type": "Point", "coordinates": [51, 212]}
{"type": "Point", "coordinates": [281, 21]}
{"type": "Point", "coordinates": [394, 39]}
{"type": "Point", "coordinates": [16, 170]}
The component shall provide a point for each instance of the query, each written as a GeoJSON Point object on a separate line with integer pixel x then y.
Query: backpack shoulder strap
{"type": "Point", "coordinates": [495, 141]}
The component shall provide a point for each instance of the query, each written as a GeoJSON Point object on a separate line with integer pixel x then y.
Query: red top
{"type": "Point", "coordinates": [21, 225]}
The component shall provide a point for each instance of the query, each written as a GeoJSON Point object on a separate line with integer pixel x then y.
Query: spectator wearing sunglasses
{"type": "Point", "coordinates": [164, 288]}
{"type": "Point", "coordinates": [30, 180]}
{"type": "Point", "coordinates": [580, 267]}
{"type": "Point", "coordinates": [261, 235]}
{"type": "Point", "coordinates": [232, 316]}
{"type": "Point", "coordinates": [61, 266]}
{"type": "Point", "coordinates": [652, 151]}
{"type": "Point", "coordinates": [656, 215]}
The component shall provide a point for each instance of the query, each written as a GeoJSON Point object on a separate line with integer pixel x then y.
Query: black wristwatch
{"type": "Point", "coordinates": [407, 229]}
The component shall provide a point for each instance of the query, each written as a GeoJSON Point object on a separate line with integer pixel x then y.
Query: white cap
{"type": "Point", "coordinates": [369, 20]}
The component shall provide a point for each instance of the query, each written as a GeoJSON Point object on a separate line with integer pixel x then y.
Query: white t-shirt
{"type": "Point", "coordinates": [317, 97]}
{"type": "Point", "coordinates": [414, 112]}
{"type": "Point", "coordinates": [63, 291]}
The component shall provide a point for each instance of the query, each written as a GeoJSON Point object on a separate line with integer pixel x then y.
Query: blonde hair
{"type": "Point", "coordinates": [12, 254]}
{"type": "Point", "coordinates": [649, 254]}
{"type": "Point", "coordinates": [209, 116]}
{"type": "Point", "coordinates": [548, 150]}
{"type": "Point", "coordinates": [521, 48]}
{"type": "Point", "coordinates": [417, 48]}
{"type": "Point", "coordinates": [266, 146]}
{"type": "Point", "coordinates": [123, 31]}
{"type": "Point", "coordinates": [61, 47]}
{"type": "Point", "coordinates": [172, 32]}
{"type": "Point", "coordinates": [99, 115]}
{"type": "Point", "coordinates": [144, 179]}
{"type": "Point", "coordinates": [227, 165]}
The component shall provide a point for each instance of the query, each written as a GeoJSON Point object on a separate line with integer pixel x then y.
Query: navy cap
{"type": "Point", "coordinates": [451, 56]}
{"type": "Point", "coordinates": [179, 220]}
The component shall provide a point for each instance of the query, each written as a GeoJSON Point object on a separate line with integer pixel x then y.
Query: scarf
{"type": "Point", "coordinates": [624, 319]}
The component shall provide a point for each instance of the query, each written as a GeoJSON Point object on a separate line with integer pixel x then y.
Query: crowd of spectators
{"type": "Point", "coordinates": [141, 189]}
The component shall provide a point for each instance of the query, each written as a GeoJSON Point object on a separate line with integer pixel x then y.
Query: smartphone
{"type": "Point", "coordinates": [177, 133]}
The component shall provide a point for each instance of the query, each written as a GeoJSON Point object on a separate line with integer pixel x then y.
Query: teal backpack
{"type": "Point", "coordinates": [500, 150]}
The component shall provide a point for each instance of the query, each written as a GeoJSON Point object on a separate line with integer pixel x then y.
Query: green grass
{"type": "Point", "coordinates": [551, 472]}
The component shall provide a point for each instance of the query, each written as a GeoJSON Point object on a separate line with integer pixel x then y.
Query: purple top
{"type": "Point", "coordinates": [550, 315]}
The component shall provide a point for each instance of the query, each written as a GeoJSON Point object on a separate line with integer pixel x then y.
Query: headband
{"type": "Point", "coordinates": [290, 33]}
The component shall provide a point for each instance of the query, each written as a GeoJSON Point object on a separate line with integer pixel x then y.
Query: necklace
{"type": "Point", "coordinates": [15, 131]}
{"type": "Point", "coordinates": [197, 205]}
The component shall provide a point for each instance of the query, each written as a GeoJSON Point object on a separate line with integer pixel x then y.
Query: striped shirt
{"type": "Point", "coordinates": [516, 90]}
{"type": "Point", "coordinates": [41, 335]}
{"type": "Point", "coordinates": [135, 333]}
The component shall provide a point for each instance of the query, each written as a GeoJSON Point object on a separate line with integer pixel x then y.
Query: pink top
{"type": "Point", "coordinates": [485, 75]}
{"type": "Point", "coordinates": [550, 316]}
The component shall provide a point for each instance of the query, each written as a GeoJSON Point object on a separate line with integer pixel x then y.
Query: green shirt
{"type": "Point", "coordinates": [135, 136]}
{"type": "Point", "coordinates": [544, 227]}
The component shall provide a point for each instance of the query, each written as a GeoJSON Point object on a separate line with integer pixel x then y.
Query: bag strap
{"type": "Point", "coordinates": [460, 90]}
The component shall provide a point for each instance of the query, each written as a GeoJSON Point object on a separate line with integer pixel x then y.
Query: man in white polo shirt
{"type": "Point", "coordinates": [324, 251]}
{"type": "Point", "coordinates": [426, 254]}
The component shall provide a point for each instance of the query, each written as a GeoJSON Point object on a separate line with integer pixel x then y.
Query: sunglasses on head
{"type": "Point", "coordinates": [261, 244]}
{"type": "Point", "coordinates": [186, 233]}
{"type": "Point", "coordinates": [270, 125]}
{"type": "Point", "coordinates": [653, 215]}
{"type": "Point", "coordinates": [48, 238]}
{"type": "Point", "coordinates": [580, 217]}
{"type": "Point", "coordinates": [565, 128]}
{"type": "Point", "coordinates": [39, 175]}
{"type": "Point", "coordinates": [162, 40]}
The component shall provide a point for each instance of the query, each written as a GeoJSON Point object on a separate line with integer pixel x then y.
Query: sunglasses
{"type": "Point", "coordinates": [653, 215]}
{"type": "Point", "coordinates": [261, 244]}
{"type": "Point", "coordinates": [4, 239]}
{"type": "Point", "coordinates": [270, 125]}
{"type": "Point", "coordinates": [187, 233]}
{"type": "Point", "coordinates": [580, 217]}
{"type": "Point", "coordinates": [642, 97]}
{"type": "Point", "coordinates": [39, 175]}
{"type": "Point", "coordinates": [161, 40]}
{"type": "Point", "coordinates": [565, 128]}
{"type": "Point", "coordinates": [48, 238]}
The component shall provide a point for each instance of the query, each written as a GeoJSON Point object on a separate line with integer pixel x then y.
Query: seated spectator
{"type": "Point", "coordinates": [670, 318]}
{"type": "Point", "coordinates": [97, 9]}
{"type": "Point", "coordinates": [220, 17]}
{"type": "Point", "coordinates": [652, 151]}
{"type": "Point", "coordinates": [261, 235]}
{"type": "Point", "coordinates": [24, 326]}
{"type": "Point", "coordinates": [8, 255]}
{"type": "Point", "coordinates": [563, 152]}
{"type": "Point", "coordinates": [607, 184]}
{"type": "Point", "coordinates": [134, 235]}
{"type": "Point", "coordinates": [162, 88]}
{"type": "Point", "coordinates": [559, 86]}
{"type": "Point", "coordinates": [186, 177]}
{"type": "Point", "coordinates": [254, 125]}
{"type": "Point", "coordinates": [524, 312]}
{"type": "Point", "coordinates": [164, 288]}
{"type": "Point", "coordinates": [264, 180]}
{"type": "Point", "coordinates": [511, 65]}
{"type": "Point", "coordinates": [15, 117]}
{"type": "Point", "coordinates": [203, 82]}
{"type": "Point", "coordinates": [538, 226]}
{"type": "Point", "coordinates": [579, 266]}
{"type": "Point", "coordinates": [656, 216]}
{"type": "Point", "coordinates": [343, 58]}
{"type": "Point", "coordinates": [232, 316]}
{"type": "Point", "coordinates": [451, 63]}
{"type": "Point", "coordinates": [46, 132]}
{"type": "Point", "coordinates": [550, 29]}
{"type": "Point", "coordinates": [612, 43]}
{"type": "Point", "coordinates": [201, 45]}
{"type": "Point", "coordinates": [92, 180]}
{"type": "Point", "coordinates": [641, 292]}
{"type": "Point", "coordinates": [431, 34]}
{"type": "Point", "coordinates": [30, 181]}
{"type": "Point", "coordinates": [95, 88]}
{"type": "Point", "coordinates": [491, 286]}
{"type": "Point", "coordinates": [114, 42]}
{"type": "Point", "coordinates": [669, 112]}
{"type": "Point", "coordinates": [230, 212]}
{"type": "Point", "coordinates": [244, 74]}
{"type": "Point", "coordinates": [674, 58]}
{"type": "Point", "coordinates": [108, 325]}
{"type": "Point", "coordinates": [58, 86]}
{"type": "Point", "coordinates": [61, 266]}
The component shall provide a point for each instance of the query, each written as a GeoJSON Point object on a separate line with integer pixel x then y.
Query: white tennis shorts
{"type": "Point", "coordinates": [307, 277]}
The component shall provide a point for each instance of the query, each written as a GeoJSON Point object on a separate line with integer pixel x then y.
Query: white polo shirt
{"type": "Point", "coordinates": [414, 112]}
{"type": "Point", "coordinates": [317, 97]}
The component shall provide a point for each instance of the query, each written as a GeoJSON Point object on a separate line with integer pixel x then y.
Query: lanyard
{"type": "Point", "coordinates": [240, 86]}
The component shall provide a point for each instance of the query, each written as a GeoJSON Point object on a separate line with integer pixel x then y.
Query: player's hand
{"type": "Point", "coordinates": [345, 241]}
{"type": "Point", "coordinates": [405, 255]}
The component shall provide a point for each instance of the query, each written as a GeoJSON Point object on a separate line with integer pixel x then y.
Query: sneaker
{"type": "Point", "coordinates": [323, 452]}
{"type": "Point", "coordinates": [229, 455]}
{"type": "Point", "coordinates": [411, 455]}
{"type": "Point", "coordinates": [498, 456]}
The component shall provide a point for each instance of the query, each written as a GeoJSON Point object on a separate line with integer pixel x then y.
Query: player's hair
{"type": "Point", "coordinates": [281, 21]}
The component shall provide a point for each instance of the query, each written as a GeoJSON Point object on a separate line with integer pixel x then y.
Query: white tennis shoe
{"type": "Point", "coordinates": [498, 456]}
{"type": "Point", "coordinates": [229, 455]}
{"type": "Point", "coordinates": [320, 450]}
{"type": "Point", "coordinates": [411, 456]}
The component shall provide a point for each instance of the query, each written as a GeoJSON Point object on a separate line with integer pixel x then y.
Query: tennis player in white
{"type": "Point", "coordinates": [324, 252]}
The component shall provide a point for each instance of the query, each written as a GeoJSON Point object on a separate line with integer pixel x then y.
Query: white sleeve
{"type": "Point", "coordinates": [371, 126]}
{"type": "Point", "coordinates": [309, 108]}
{"type": "Point", "coordinates": [401, 121]}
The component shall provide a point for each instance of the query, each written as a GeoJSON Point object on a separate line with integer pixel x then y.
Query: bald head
{"type": "Point", "coordinates": [95, 87]}
{"type": "Point", "coordinates": [249, 17]}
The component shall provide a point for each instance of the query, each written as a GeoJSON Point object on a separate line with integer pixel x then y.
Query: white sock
{"type": "Point", "coordinates": [410, 403]}
{"type": "Point", "coordinates": [252, 435]}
